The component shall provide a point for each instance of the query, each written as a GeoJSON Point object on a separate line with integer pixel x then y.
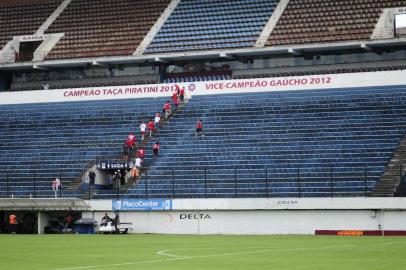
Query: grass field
{"type": "Point", "coordinates": [124, 252]}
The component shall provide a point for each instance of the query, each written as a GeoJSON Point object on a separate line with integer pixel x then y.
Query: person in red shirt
{"type": "Point", "coordinates": [13, 223]}
{"type": "Point", "coordinates": [141, 153]}
{"type": "Point", "coordinates": [177, 89]}
{"type": "Point", "coordinates": [130, 143]}
{"type": "Point", "coordinates": [167, 109]}
{"type": "Point", "coordinates": [155, 149]}
{"type": "Point", "coordinates": [151, 127]}
{"type": "Point", "coordinates": [175, 100]}
{"type": "Point", "coordinates": [131, 140]}
{"type": "Point", "coordinates": [199, 128]}
{"type": "Point", "coordinates": [174, 96]}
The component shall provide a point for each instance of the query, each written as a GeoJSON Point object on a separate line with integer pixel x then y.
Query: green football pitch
{"type": "Point", "coordinates": [124, 252]}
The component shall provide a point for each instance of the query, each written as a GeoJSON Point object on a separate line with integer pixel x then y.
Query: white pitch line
{"type": "Point", "coordinates": [256, 251]}
{"type": "Point", "coordinates": [164, 253]}
{"type": "Point", "coordinates": [119, 264]}
{"type": "Point", "coordinates": [178, 258]}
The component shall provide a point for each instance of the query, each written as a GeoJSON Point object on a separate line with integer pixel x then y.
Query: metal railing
{"type": "Point", "coordinates": [12, 187]}
{"type": "Point", "coordinates": [258, 182]}
{"type": "Point", "coordinates": [228, 182]}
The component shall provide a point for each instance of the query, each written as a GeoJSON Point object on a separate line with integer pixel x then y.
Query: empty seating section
{"type": "Point", "coordinates": [281, 144]}
{"type": "Point", "coordinates": [206, 24]}
{"type": "Point", "coordinates": [308, 21]}
{"type": "Point", "coordinates": [42, 141]}
{"type": "Point", "coordinates": [23, 17]}
{"type": "Point", "coordinates": [198, 76]}
{"type": "Point", "coordinates": [104, 28]}
{"type": "Point", "coordinates": [81, 83]}
{"type": "Point", "coordinates": [309, 71]}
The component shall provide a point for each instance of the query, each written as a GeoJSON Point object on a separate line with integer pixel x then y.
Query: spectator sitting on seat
{"type": "Point", "coordinates": [199, 128]}
{"type": "Point", "coordinates": [167, 109]}
{"type": "Point", "coordinates": [105, 220]}
{"type": "Point", "coordinates": [143, 127]}
{"type": "Point", "coordinates": [151, 127]}
{"type": "Point", "coordinates": [155, 149]}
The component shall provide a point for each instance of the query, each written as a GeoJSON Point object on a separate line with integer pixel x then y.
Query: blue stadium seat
{"type": "Point", "coordinates": [279, 144]}
{"type": "Point", "coordinates": [305, 143]}
{"type": "Point", "coordinates": [43, 141]}
{"type": "Point", "coordinates": [227, 24]}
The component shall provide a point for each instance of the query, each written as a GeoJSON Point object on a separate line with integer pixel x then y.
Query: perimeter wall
{"type": "Point", "coordinates": [256, 216]}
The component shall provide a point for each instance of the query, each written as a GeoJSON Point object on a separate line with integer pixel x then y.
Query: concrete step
{"type": "Point", "coordinates": [389, 181]}
{"type": "Point", "coordinates": [386, 187]}
{"type": "Point", "coordinates": [381, 195]}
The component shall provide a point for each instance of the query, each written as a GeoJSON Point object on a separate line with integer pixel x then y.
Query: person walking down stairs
{"type": "Point", "coordinates": [199, 128]}
{"type": "Point", "coordinates": [143, 128]}
{"type": "Point", "coordinates": [155, 149]}
{"type": "Point", "coordinates": [167, 109]}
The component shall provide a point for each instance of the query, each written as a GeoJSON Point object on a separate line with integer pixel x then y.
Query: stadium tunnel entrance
{"type": "Point", "coordinates": [39, 216]}
{"type": "Point", "coordinates": [105, 172]}
{"type": "Point", "coordinates": [27, 50]}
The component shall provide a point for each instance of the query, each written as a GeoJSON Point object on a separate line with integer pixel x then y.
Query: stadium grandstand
{"type": "Point", "coordinates": [298, 98]}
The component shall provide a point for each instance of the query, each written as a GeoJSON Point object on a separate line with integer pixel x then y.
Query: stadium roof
{"type": "Point", "coordinates": [43, 204]}
{"type": "Point", "coordinates": [210, 54]}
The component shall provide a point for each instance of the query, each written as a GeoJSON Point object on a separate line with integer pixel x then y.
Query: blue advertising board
{"type": "Point", "coordinates": [141, 205]}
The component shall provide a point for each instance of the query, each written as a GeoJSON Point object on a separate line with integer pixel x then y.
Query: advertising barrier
{"type": "Point", "coordinates": [365, 79]}
{"type": "Point", "coordinates": [141, 205]}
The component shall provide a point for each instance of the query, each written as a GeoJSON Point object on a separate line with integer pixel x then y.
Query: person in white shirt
{"type": "Point", "coordinates": [157, 121]}
{"type": "Point", "coordinates": [138, 163]}
{"type": "Point", "coordinates": [56, 183]}
{"type": "Point", "coordinates": [45, 86]}
{"type": "Point", "coordinates": [143, 128]}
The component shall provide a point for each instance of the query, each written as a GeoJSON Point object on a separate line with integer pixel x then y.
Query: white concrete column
{"type": "Point", "coordinates": [42, 221]}
{"type": "Point", "coordinates": [270, 26]}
